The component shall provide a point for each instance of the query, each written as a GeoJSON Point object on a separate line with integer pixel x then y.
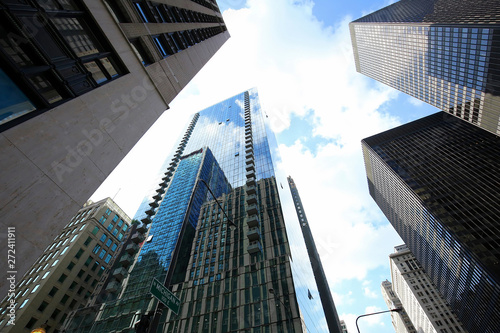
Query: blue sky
{"type": "Point", "coordinates": [298, 55]}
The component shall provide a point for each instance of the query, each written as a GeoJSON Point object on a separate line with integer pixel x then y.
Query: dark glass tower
{"type": "Point", "coordinates": [228, 279]}
{"type": "Point", "coordinates": [437, 179]}
{"type": "Point", "coordinates": [443, 52]}
{"type": "Point", "coordinates": [332, 318]}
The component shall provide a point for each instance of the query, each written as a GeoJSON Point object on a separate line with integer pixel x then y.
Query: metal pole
{"type": "Point", "coordinates": [374, 313]}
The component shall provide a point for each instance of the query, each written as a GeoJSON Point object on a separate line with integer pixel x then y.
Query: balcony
{"type": "Point", "coordinates": [251, 181]}
{"type": "Point", "coordinates": [252, 209]}
{"type": "Point", "coordinates": [120, 273]}
{"type": "Point", "coordinates": [137, 238]}
{"type": "Point", "coordinates": [126, 260]}
{"type": "Point", "coordinates": [253, 234]}
{"type": "Point", "coordinates": [251, 174]}
{"type": "Point", "coordinates": [253, 221]}
{"type": "Point", "coordinates": [157, 197]}
{"type": "Point", "coordinates": [150, 212]}
{"type": "Point", "coordinates": [142, 228]}
{"type": "Point", "coordinates": [153, 204]}
{"type": "Point", "coordinates": [254, 247]}
{"type": "Point", "coordinates": [161, 190]}
{"type": "Point", "coordinates": [250, 167]}
{"type": "Point", "coordinates": [146, 220]}
{"type": "Point", "coordinates": [132, 248]}
{"type": "Point", "coordinates": [252, 199]}
{"type": "Point", "coordinates": [113, 287]}
{"type": "Point", "coordinates": [249, 150]}
{"type": "Point", "coordinates": [251, 190]}
{"type": "Point", "coordinates": [249, 161]}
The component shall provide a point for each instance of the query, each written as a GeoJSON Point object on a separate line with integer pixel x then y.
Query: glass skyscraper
{"type": "Point", "coordinates": [229, 278]}
{"type": "Point", "coordinates": [436, 180]}
{"type": "Point", "coordinates": [443, 52]}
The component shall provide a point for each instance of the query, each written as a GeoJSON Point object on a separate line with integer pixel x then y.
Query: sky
{"type": "Point", "coordinates": [298, 54]}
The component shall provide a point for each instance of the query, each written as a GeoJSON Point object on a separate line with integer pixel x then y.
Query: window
{"type": "Point", "coordinates": [35, 289]}
{"type": "Point", "coordinates": [73, 285]}
{"type": "Point", "coordinates": [103, 238]}
{"type": "Point", "coordinates": [108, 258]}
{"type": "Point", "coordinates": [125, 227]}
{"type": "Point", "coordinates": [80, 273]}
{"type": "Point", "coordinates": [115, 232]}
{"type": "Point", "coordinates": [96, 248]}
{"type": "Point", "coordinates": [113, 248]}
{"type": "Point", "coordinates": [55, 313]}
{"type": "Point", "coordinates": [53, 291]}
{"type": "Point", "coordinates": [31, 323]}
{"type": "Point", "coordinates": [64, 251]}
{"type": "Point", "coordinates": [87, 241]}
{"type": "Point", "coordinates": [120, 223]}
{"type": "Point", "coordinates": [95, 231]}
{"type": "Point", "coordinates": [108, 211]}
{"type": "Point", "coordinates": [103, 219]}
{"type": "Point", "coordinates": [64, 299]}
{"type": "Point", "coordinates": [54, 263]}
{"type": "Point", "coordinates": [102, 254]}
{"type": "Point", "coordinates": [88, 261]}
{"type": "Point", "coordinates": [79, 254]}
{"type": "Point", "coordinates": [95, 265]}
{"type": "Point", "coordinates": [120, 236]}
{"type": "Point", "coordinates": [73, 239]}
{"type": "Point", "coordinates": [115, 218]}
{"type": "Point", "coordinates": [101, 270]}
{"type": "Point", "coordinates": [42, 306]}
{"type": "Point", "coordinates": [62, 278]}
{"type": "Point", "coordinates": [110, 226]}
{"type": "Point", "coordinates": [24, 303]}
{"type": "Point", "coordinates": [45, 275]}
{"type": "Point", "coordinates": [109, 242]}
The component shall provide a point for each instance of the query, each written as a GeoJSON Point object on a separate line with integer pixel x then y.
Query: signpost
{"type": "Point", "coordinates": [165, 296]}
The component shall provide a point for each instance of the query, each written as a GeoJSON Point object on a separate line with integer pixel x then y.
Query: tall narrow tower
{"type": "Point", "coordinates": [443, 52]}
{"type": "Point", "coordinates": [331, 315]}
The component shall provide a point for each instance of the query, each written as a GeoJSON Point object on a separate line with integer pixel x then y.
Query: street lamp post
{"type": "Point", "coordinates": [153, 324]}
{"type": "Point", "coordinates": [374, 313]}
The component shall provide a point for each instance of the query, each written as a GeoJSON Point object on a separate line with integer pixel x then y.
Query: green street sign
{"type": "Point", "coordinates": [165, 296]}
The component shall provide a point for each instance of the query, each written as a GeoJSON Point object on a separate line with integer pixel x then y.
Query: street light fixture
{"type": "Point", "coordinates": [374, 313]}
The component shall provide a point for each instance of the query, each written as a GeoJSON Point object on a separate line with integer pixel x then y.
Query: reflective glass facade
{"type": "Point", "coordinates": [436, 179]}
{"type": "Point", "coordinates": [443, 52]}
{"type": "Point", "coordinates": [228, 278]}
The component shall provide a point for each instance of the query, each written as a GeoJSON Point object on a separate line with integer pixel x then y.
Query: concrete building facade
{"type": "Point", "coordinates": [426, 308]}
{"type": "Point", "coordinates": [84, 80]}
{"type": "Point", "coordinates": [400, 320]}
{"type": "Point", "coordinates": [68, 271]}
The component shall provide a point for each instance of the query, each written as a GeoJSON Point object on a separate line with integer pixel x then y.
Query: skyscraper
{"type": "Point", "coordinates": [400, 319]}
{"type": "Point", "coordinates": [325, 294]}
{"type": "Point", "coordinates": [423, 305]}
{"type": "Point", "coordinates": [69, 270]}
{"type": "Point", "coordinates": [82, 81]}
{"type": "Point", "coordinates": [228, 277]}
{"type": "Point", "coordinates": [443, 52]}
{"type": "Point", "coordinates": [436, 179]}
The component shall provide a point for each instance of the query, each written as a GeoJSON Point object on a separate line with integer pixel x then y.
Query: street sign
{"type": "Point", "coordinates": [165, 296]}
